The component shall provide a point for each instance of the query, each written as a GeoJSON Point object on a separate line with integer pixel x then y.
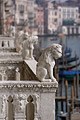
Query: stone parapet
{"type": "Point", "coordinates": [13, 56]}
{"type": "Point", "coordinates": [28, 85]}
{"type": "Point", "coordinates": [43, 94]}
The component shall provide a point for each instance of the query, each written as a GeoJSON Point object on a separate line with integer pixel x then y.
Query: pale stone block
{"type": "Point", "coordinates": [32, 64]}
{"type": "Point", "coordinates": [11, 44]}
{"type": "Point", "coordinates": [47, 106]}
{"type": "Point", "coordinates": [2, 117]}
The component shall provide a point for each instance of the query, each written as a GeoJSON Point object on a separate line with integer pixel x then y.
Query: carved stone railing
{"type": "Point", "coordinates": [43, 94]}
{"type": "Point", "coordinates": [11, 56]}
{"type": "Point", "coordinates": [7, 44]}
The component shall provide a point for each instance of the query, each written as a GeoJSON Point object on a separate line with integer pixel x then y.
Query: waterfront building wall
{"type": "Point", "coordinates": [69, 13]}
{"type": "Point", "coordinates": [71, 30]}
{"type": "Point", "coordinates": [56, 15]}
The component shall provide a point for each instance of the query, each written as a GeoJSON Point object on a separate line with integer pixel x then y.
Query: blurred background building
{"type": "Point", "coordinates": [39, 16]}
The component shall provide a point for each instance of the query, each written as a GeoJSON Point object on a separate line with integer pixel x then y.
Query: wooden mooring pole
{"type": "Point", "coordinates": [74, 84]}
{"type": "Point", "coordinates": [66, 94]}
{"type": "Point", "coordinates": [62, 94]}
{"type": "Point", "coordinates": [77, 86]}
{"type": "Point", "coordinates": [72, 99]}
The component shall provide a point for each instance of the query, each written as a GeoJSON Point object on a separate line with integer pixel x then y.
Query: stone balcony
{"type": "Point", "coordinates": [20, 88]}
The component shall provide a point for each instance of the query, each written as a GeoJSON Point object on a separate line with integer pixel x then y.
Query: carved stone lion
{"type": "Point", "coordinates": [28, 46]}
{"type": "Point", "coordinates": [45, 65]}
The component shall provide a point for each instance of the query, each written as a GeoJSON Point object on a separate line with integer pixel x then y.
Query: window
{"type": "Point", "coordinates": [55, 13]}
{"type": "Point", "coordinates": [21, 21]}
{"type": "Point", "coordinates": [21, 9]}
{"type": "Point", "coordinates": [55, 21]}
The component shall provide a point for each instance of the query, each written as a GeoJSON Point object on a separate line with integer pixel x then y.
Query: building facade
{"type": "Point", "coordinates": [21, 13]}
{"type": "Point", "coordinates": [58, 16]}
{"type": "Point", "coordinates": [69, 13]}
{"type": "Point", "coordinates": [6, 16]}
{"type": "Point", "coordinates": [52, 18]}
{"type": "Point", "coordinates": [40, 19]}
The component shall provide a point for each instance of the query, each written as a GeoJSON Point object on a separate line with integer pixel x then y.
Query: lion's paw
{"type": "Point", "coordinates": [54, 80]}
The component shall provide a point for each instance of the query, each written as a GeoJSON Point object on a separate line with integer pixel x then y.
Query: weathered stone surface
{"type": "Point", "coordinates": [43, 98]}
{"type": "Point", "coordinates": [28, 46]}
{"type": "Point", "coordinates": [30, 70]}
{"type": "Point", "coordinates": [45, 65]}
{"type": "Point", "coordinates": [22, 86]}
{"type": "Point", "coordinates": [25, 44]}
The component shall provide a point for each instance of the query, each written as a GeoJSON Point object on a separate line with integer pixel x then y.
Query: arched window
{"type": "Point", "coordinates": [30, 109]}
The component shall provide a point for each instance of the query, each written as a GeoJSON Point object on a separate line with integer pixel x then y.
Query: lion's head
{"type": "Point", "coordinates": [56, 50]}
{"type": "Point", "coordinates": [52, 52]}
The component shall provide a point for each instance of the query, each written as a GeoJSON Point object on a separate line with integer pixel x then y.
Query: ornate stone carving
{"type": "Point", "coordinates": [25, 44]}
{"type": "Point", "coordinates": [3, 105]}
{"type": "Point", "coordinates": [19, 39]}
{"type": "Point", "coordinates": [3, 74]}
{"type": "Point", "coordinates": [19, 103]}
{"type": "Point", "coordinates": [28, 46]}
{"type": "Point", "coordinates": [45, 65]}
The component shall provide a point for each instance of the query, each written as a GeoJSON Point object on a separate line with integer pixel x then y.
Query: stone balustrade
{"type": "Point", "coordinates": [6, 44]}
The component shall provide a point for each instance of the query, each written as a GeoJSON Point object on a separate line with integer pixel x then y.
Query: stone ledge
{"type": "Point", "coordinates": [27, 84]}
{"type": "Point", "coordinates": [10, 57]}
{"type": "Point", "coordinates": [13, 61]}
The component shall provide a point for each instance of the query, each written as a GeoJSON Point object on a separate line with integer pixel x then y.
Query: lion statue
{"type": "Point", "coordinates": [45, 65]}
{"type": "Point", "coordinates": [28, 46]}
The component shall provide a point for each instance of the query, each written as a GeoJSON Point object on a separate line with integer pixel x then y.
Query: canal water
{"type": "Point", "coordinates": [72, 42]}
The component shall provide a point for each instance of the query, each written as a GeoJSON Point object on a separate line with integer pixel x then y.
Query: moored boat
{"type": "Point", "coordinates": [68, 60]}
{"type": "Point", "coordinates": [69, 75]}
{"type": "Point", "coordinates": [68, 67]}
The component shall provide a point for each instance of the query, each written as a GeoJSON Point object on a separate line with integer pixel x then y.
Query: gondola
{"type": "Point", "coordinates": [69, 75]}
{"type": "Point", "coordinates": [64, 73]}
{"type": "Point", "coordinates": [68, 67]}
{"type": "Point", "coordinates": [67, 60]}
